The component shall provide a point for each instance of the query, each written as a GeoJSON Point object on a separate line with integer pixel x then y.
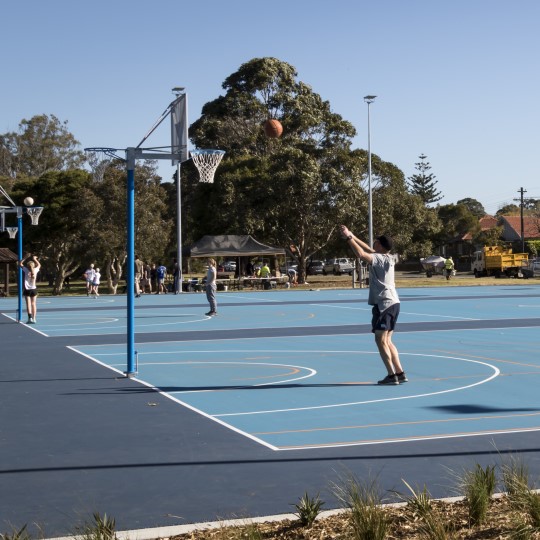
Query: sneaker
{"type": "Point", "coordinates": [211, 313]}
{"type": "Point", "coordinates": [389, 379]}
{"type": "Point", "coordinates": [31, 321]}
{"type": "Point", "coordinates": [402, 377]}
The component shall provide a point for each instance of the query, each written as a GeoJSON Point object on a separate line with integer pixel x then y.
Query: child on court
{"type": "Point", "coordinates": [30, 271]}
{"type": "Point", "coordinates": [96, 282]}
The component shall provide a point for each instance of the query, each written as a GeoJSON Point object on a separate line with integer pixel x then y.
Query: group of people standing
{"type": "Point", "coordinates": [93, 279]}
{"type": "Point", "coordinates": [150, 277]}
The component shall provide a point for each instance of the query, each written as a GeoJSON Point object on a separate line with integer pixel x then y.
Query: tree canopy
{"type": "Point", "coordinates": [475, 207]}
{"type": "Point", "coordinates": [295, 190]}
{"type": "Point", "coordinates": [42, 144]}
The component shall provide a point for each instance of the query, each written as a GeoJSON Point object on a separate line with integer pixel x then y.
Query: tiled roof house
{"type": "Point", "coordinates": [512, 228]}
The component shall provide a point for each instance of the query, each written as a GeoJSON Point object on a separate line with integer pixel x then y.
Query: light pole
{"type": "Point", "coordinates": [369, 100]}
{"type": "Point", "coordinates": [179, 91]}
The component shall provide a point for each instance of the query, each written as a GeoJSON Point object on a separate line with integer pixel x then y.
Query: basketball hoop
{"type": "Point", "coordinates": [12, 231]}
{"type": "Point", "coordinates": [34, 212]}
{"type": "Point", "coordinates": [99, 159]}
{"type": "Point", "coordinates": [207, 162]}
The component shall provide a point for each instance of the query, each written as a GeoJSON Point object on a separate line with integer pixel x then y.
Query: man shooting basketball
{"type": "Point", "coordinates": [384, 299]}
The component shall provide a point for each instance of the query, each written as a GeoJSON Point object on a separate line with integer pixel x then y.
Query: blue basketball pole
{"type": "Point", "coordinates": [19, 269]}
{"type": "Point", "coordinates": [130, 270]}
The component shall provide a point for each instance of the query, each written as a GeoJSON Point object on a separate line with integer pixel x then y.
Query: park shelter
{"type": "Point", "coordinates": [238, 247]}
{"type": "Point", "coordinates": [6, 258]}
{"type": "Point", "coordinates": [229, 245]}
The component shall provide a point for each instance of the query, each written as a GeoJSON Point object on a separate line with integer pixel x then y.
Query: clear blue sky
{"type": "Point", "coordinates": [456, 80]}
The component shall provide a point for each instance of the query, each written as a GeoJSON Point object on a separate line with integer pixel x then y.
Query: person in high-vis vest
{"type": "Point", "coordinates": [448, 267]}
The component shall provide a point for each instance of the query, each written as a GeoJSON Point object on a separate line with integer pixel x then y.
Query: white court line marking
{"type": "Point", "coordinates": [51, 321]}
{"type": "Point", "coordinates": [138, 325]}
{"type": "Point", "coordinates": [29, 326]}
{"type": "Point", "coordinates": [251, 298]}
{"type": "Point", "coordinates": [401, 312]}
{"type": "Point", "coordinates": [459, 388]}
{"type": "Point", "coordinates": [318, 351]}
{"type": "Point", "coordinates": [180, 402]}
{"type": "Point", "coordinates": [311, 372]}
{"type": "Point", "coordinates": [93, 301]}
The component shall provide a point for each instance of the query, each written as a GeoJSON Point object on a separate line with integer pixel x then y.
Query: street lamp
{"type": "Point", "coordinates": [369, 100]}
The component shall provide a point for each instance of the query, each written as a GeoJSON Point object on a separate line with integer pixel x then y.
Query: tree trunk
{"type": "Point", "coordinates": [113, 270]}
{"type": "Point", "coordinates": [58, 282]}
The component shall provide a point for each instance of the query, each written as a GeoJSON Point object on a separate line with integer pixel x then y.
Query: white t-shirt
{"type": "Point", "coordinates": [90, 274]}
{"type": "Point", "coordinates": [211, 276]}
{"type": "Point", "coordinates": [97, 277]}
{"type": "Point", "coordinates": [382, 287]}
{"type": "Point", "coordinates": [30, 278]}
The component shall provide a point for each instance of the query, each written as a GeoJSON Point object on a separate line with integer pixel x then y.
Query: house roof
{"type": "Point", "coordinates": [7, 256]}
{"type": "Point", "coordinates": [512, 227]}
{"type": "Point", "coordinates": [487, 222]}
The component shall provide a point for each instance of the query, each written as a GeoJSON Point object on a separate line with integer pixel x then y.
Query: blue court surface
{"type": "Point", "coordinates": [276, 395]}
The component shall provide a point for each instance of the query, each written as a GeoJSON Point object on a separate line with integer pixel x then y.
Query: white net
{"type": "Point", "coordinates": [207, 162]}
{"type": "Point", "coordinates": [99, 159]}
{"type": "Point", "coordinates": [34, 212]}
{"type": "Point", "coordinates": [12, 231]}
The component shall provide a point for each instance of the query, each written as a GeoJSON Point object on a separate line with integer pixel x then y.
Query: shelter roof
{"type": "Point", "coordinates": [7, 256]}
{"type": "Point", "coordinates": [229, 245]}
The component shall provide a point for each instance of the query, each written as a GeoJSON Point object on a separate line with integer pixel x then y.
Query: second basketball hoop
{"type": "Point", "coordinates": [207, 162]}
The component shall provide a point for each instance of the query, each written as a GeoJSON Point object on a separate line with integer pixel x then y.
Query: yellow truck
{"type": "Point", "coordinates": [497, 261]}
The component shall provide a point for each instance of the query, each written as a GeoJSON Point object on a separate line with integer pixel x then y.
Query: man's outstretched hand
{"type": "Point", "coordinates": [345, 233]}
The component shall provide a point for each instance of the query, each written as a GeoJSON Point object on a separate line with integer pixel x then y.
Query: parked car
{"type": "Point", "coordinates": [338, 267]}
{"type": "Point", "coordinates": [283, 269]}
{"type": "Point", "coordinates": [314, 268]}
{"type": "Point", "coordinates": [229, 266]}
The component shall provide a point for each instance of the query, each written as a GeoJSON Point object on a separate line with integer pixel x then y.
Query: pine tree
{"type": "Point", "coordinates": [423, 183]}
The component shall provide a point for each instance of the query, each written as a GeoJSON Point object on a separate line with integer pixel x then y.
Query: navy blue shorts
{"type": "Point", "coordinates": [386, 320]}
{"type": "Point", "coordinates": [30, 292]}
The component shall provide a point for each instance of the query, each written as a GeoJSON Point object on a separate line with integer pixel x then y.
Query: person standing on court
{"type": "Point", "coordinates": [211, 287]}
{"type": "Point", "coordinates": [139, 269]}
{"type": "Point", "coordinates": [89, 276]}
{"type": "Point", "coordinates": [95, 284]}
{"type": "Point", "coordinates": [30, 271]}
{"type": "Point", "coordinates": [161, 274]}
{"type": "Point", "coordinates": [384, 299]}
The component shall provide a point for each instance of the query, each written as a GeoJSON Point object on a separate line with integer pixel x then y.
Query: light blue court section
{"type": "Point", "coordinates": [283, 309]}
{"type": "Point", "coordinates": [296, 393]}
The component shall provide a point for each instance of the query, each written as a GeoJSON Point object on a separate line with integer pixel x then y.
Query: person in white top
{"type": "Point", "coordinates": [89, 276]}
{"type": "Point", "coordinates": [384, 299]}
{"type": "Point", "coordinates": [95, 283]}
{"type": "Point", "coordinates": [30, 271]}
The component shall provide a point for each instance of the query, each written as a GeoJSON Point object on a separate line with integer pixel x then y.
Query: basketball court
{"type": "Point", "coordinates": [239, 415]}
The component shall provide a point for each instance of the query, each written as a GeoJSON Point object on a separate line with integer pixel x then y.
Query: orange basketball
{"type": "Point", "coordinates": [273, 128]}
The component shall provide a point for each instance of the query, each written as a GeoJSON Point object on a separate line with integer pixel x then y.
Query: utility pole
{"type": "Point", "coordinates": [522, 200]}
